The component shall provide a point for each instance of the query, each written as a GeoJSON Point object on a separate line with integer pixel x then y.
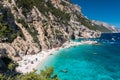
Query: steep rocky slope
{"type": "Point", "coordinates": [29, 26]}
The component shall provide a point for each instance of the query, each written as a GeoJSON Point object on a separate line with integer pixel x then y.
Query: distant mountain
{"type": "Point", "coordinates": [109, 28]}
{"type": "Point", "coordinates": [118, 30]}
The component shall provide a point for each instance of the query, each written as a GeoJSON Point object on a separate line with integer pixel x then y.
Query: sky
{"type": "Point", "coordinates": [101, 10]}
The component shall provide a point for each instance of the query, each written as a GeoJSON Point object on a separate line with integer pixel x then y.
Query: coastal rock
{"type": "Point", "coordinates": [64, 71]}
{"type": "Point", "coordinates": [43, 25]}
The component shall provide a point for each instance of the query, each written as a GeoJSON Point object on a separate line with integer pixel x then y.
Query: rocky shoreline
{"type": "Point", "coordinates": [42, 25]}
{"type": "Point", "coordinates": [32, 62]}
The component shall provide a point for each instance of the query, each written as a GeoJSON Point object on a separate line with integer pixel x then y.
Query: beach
{"type": "Point", "coordinates": [30, 63]}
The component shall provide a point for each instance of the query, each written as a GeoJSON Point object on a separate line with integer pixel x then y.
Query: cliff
{"type": "Point", "coordinates": [29, 26]}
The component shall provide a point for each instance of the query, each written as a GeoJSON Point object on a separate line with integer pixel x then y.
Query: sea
{"type": "Point", "coordinates": [88, 62]}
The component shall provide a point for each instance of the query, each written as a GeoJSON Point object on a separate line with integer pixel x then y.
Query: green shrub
{"type": "Point", "coordinates": [26, 5]}
{"type": "Point", "coordinates": [15, 8]}
{"type": "Point", "coordinates": [2, 77]}
{"type": "Point", "coordinates": [10, 1]}
{"type": "Point", "coordinates": [58, 13]}
{"type": "Point", "coordinates": [44, 75]}
{"type": "Point", "coordinates": [58, 32]}
{"type": "Point", "coordinates": [63, 3]}
{"type": "Point", "coordinates": [22, 21]}
{"type": "Point", "coordinates": [12, 66]}
{"type": "Point", "coordinates": [8, 31]}
{"type": "Point", "coordinates": [21, 34]}
{"type": "Point", "coordinates": [1, 18]}
{"type": "Point", "coordinates": [32, 31]}
{"type": "Point", "coordinates": [47, 74]}
{"type": "Point", "coordinates": [4, 30]}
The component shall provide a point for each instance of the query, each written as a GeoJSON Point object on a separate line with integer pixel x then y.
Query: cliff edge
{"type": "Point", "coordinates": [30, 26]}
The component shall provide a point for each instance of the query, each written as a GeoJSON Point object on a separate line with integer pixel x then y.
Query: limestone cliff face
{"type": "Point", "coordinates": [44, 24]}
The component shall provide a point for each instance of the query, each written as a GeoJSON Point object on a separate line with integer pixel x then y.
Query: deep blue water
{"type": "Point", "coordinates": [88, 62]}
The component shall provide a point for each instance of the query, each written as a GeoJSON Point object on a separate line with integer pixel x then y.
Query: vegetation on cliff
{"type": "Point", "coordinates": [44, 7]}
{"type": "Point", "coordinates": [31, 29]}
{"type": "Point", "coordinates": [9, 32]}
{"type": "Point", "coordinates": [8, 29]}
{"type": "Point", "coordinates": [46, 74]}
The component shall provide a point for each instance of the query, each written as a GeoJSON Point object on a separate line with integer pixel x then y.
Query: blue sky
{"type": "Point", "coordinates": [102, 10]}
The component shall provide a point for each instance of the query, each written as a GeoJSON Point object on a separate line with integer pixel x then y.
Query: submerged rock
{"type": "Point", "coordinates": [64, 71]}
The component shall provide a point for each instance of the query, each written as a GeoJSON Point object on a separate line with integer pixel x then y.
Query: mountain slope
{"type": "Point", "coordinates": [34, 25]}
{"type": "Point", "coordinates": [104, 26]}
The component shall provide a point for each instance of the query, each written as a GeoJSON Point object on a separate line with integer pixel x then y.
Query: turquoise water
{"type": "Point", "coordinates": [86, 62]}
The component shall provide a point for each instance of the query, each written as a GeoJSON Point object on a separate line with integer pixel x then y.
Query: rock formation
{"type": "Point", "coordinates": [42, 24]}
